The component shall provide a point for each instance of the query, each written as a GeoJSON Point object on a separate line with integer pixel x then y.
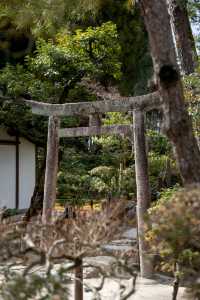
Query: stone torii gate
{"type": "Point", "coordinates": [138, 105]}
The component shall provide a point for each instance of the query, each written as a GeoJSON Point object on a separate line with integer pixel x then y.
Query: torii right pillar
{"type": "Point", "coordinates": [143, 190]}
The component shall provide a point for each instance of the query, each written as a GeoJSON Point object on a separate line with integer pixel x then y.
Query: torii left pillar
{"type": "Point", "coordinates": [51, 169]}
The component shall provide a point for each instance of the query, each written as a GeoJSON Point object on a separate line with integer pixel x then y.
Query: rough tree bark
{"type": "Point", "coordinates": [143, 190]}
{"type": "Point", "coordinates": [51, 169]}
{"type": "Point", "coordinates": [176, 122]}
{"type": "Point", "coordinates": [183, 35]}
{"type": "Point", "coordinates": [37, 199]}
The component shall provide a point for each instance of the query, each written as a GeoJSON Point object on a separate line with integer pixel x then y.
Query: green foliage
{"type": "Point", "coordinates": [128, 182]}
{"type": "Point", "coordinates": [19, 119]}
{"type": "Point", "coordinates": [135, 56]}
{"type": "Point", "coordinates": [193, 9]}
{"type": "Point", "coordinates": [192, 95]}
{"type": "Point", "coordinates": [44, 17]}
{"type": "Point", "coordinates": [158, 172]}
{"type": "Point", "coordinates": [108, 168]}
{"type": "Point", "coordinates": [93, 53]}
{"type": "Point", "coordinates": [74, 180]}
{"type": "Point", "coordinates": [100, 170]}
{"type": "Point", "coordinates": [51, 74]}
{"type": "Point", "coordinates": [192, 86]}
{"type": "Point", "coordinates": [163, 173]}
{"type": "Point", "coordinates": [114, 118]}
{"type": "Point", "coordinates": [116, 51]}
{"type": "Point", "coordinates": [164, 196]}
{"type": "Point", "coordinates": [19, 81]}
{"type": "Point", "coordinates": [104, 179]}
{"type": "Point", "coordinates": [158, 143]}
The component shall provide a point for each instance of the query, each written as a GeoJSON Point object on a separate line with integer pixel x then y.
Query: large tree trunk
{"type": "Point", "coordinates": [51, 169]}
{"type": "Point", "coordinates": [143, 190]}
{"type": "Point", "coordinates": [177, 124]}
{"type": "Point", "coordinates": [183, 35]}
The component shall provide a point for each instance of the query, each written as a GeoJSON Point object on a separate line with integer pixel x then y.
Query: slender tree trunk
{"type": "Point", "coordinates": [176, 283]}
{"type": "Point", "coordinates": [176, 124]}
{"type": "Point", "coordinates": [78, 287]}
{"type": "Point", "coordinates": [51, 169]}
{"type": "Point", "coordinates": [37, 199]}
{"type": "Point", "coordinates": [183, 35]}
{"type": "Point", "coordinates": [143, 190]}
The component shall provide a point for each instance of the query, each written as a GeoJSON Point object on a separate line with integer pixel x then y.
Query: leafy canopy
{"type": "Point", "coordinates": [44, 17]}
{"type": "Point", "coordinates": [92, 53]}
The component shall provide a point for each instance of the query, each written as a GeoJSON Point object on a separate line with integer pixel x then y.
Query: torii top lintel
{"type": "Point", "coordinates": [143, 103]}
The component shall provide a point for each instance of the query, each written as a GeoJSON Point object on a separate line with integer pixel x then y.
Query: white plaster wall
{"type": "Point", "coordinates": [27, 172]}
{"type": "Point", "coordinates": [8, 172]}
{"type": "Point", "coordinates": [7, 176]}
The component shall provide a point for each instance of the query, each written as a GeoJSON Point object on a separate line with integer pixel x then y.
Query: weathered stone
{"type": "Point", "coordinates": [145, 102]}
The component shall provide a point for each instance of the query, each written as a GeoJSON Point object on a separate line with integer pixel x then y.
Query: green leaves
{"type": "Point", "coordinates": [43, 17]}
{"type": "Point", "coordinates": [95, 51]}
{"type": "Point", "coordinates": [92, 53]}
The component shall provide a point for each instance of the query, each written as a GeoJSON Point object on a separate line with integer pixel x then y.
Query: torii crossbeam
{"type": "Point", "coordinates": [124, 130]}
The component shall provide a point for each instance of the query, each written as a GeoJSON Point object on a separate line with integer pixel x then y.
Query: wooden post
{"type": "Point", "coordinates": [78, 287]}
{"type": "Point", "coordinates": [143, 190]}
{"type": "Point", "coordinates": [51, 169]}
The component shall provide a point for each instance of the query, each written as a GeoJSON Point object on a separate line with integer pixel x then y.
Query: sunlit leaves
{"type": "Point", "coordinates": [92, 53]}
{"type": "Point", "coordinates": [96, 49]}
{"type": "Point", "coordinates": [192, 96]}
{"type": "Point", "coordinates": [45, 17]}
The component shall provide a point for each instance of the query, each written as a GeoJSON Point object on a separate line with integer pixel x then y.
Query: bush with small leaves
{"type": "Point", "coordinates": [173, 231]}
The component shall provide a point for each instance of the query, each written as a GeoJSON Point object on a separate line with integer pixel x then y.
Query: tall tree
{"type": "Point", "coordinates": [176, 121]}
{"type": "Point", "coordinates": [52, 73]}
{"type": "Point", "coordinates": [185, 43]}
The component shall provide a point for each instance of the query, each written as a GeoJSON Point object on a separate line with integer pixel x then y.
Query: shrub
{"type": "Point", "coordinates": [173, 231]}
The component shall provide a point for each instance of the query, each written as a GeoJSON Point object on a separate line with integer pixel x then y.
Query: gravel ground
{"type": "Point", "coordinates": [145, 290]}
